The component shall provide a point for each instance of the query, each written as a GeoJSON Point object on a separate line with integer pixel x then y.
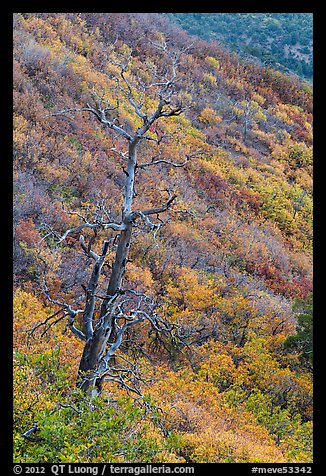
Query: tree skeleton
{"type": "Point", "coordinates": [103, 336]}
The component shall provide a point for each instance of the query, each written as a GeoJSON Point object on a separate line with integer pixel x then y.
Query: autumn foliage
{"type": "Point", "coordinates": [224, 272]}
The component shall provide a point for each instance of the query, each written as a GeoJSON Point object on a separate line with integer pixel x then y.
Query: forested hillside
{"type": "Point", "coordinates": [281, 40]}
{"type": "Point", "coordinates": [206, 350]}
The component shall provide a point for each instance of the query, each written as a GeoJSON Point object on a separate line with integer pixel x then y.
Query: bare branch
{"type": "Point", "coordinates": [155, 211]}
{"type": "Point", "coordinates": [123, 155]}
{"type": "Point", "coordinates": [53, 324]}
{"type": "Point", "coordinates": [113, 226]}
{"type": "Point", "coordinates": [114, 346]}
{"type": "Point", "coordinates": [130, 96]}
{"type": "Point", "coordinates": [63, 405]}
{"type": "Point", "coordinates": [28, 433]}
{"type": "Point", "coordinates": [43, 323]}
{"type": "Point", "coordinates": [121, 382]}
{"type": "Point", "coordinates": [105, 335]}
{"type": "Point", "coordinates": [69, 212]}
{"type": "Point", "coordinates": [100, 114]}
{"type": "Point", "coordinates": [66, 309]}
{"type": "Point", "coordinates": [163, 161]}
{"type": "Point", "coordinates": [78, 333]}
{"type": "Point", "coordinates": [86, 249]}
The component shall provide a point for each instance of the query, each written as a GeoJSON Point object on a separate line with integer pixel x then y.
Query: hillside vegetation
{"type": "Point", "coordinates": [280, 40]}
{"type": "Point", "coordinates": [228, 266]}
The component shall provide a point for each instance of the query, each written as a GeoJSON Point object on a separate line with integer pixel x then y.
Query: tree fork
{"type": "Point", "coordinates": [107, 335]}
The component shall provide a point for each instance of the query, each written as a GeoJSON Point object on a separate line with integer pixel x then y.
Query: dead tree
{"type": "Point", "coordinates": [104, 333]}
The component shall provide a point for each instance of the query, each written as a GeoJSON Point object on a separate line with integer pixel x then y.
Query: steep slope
{"type": "Point", "coordinates": [280, 40]}
{"type": "Point", "coordinates": [224, 272]}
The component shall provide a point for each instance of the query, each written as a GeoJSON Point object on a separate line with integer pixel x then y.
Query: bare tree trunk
{"type": "Point", "coordinates": [96, 345]}
{"type": "Point", "coordinates": [103, 335]}
{"type": "Point", "coordinates": [88, 373]}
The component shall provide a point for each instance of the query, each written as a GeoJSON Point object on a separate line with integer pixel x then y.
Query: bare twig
{"type": "Point", "coordinates": [28, 433]}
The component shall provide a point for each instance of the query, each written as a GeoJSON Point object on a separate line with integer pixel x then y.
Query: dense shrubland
{"type": "Point", "coordinates": [280, 40]}
{"type": "Point", "coordinates": [230, 272]}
